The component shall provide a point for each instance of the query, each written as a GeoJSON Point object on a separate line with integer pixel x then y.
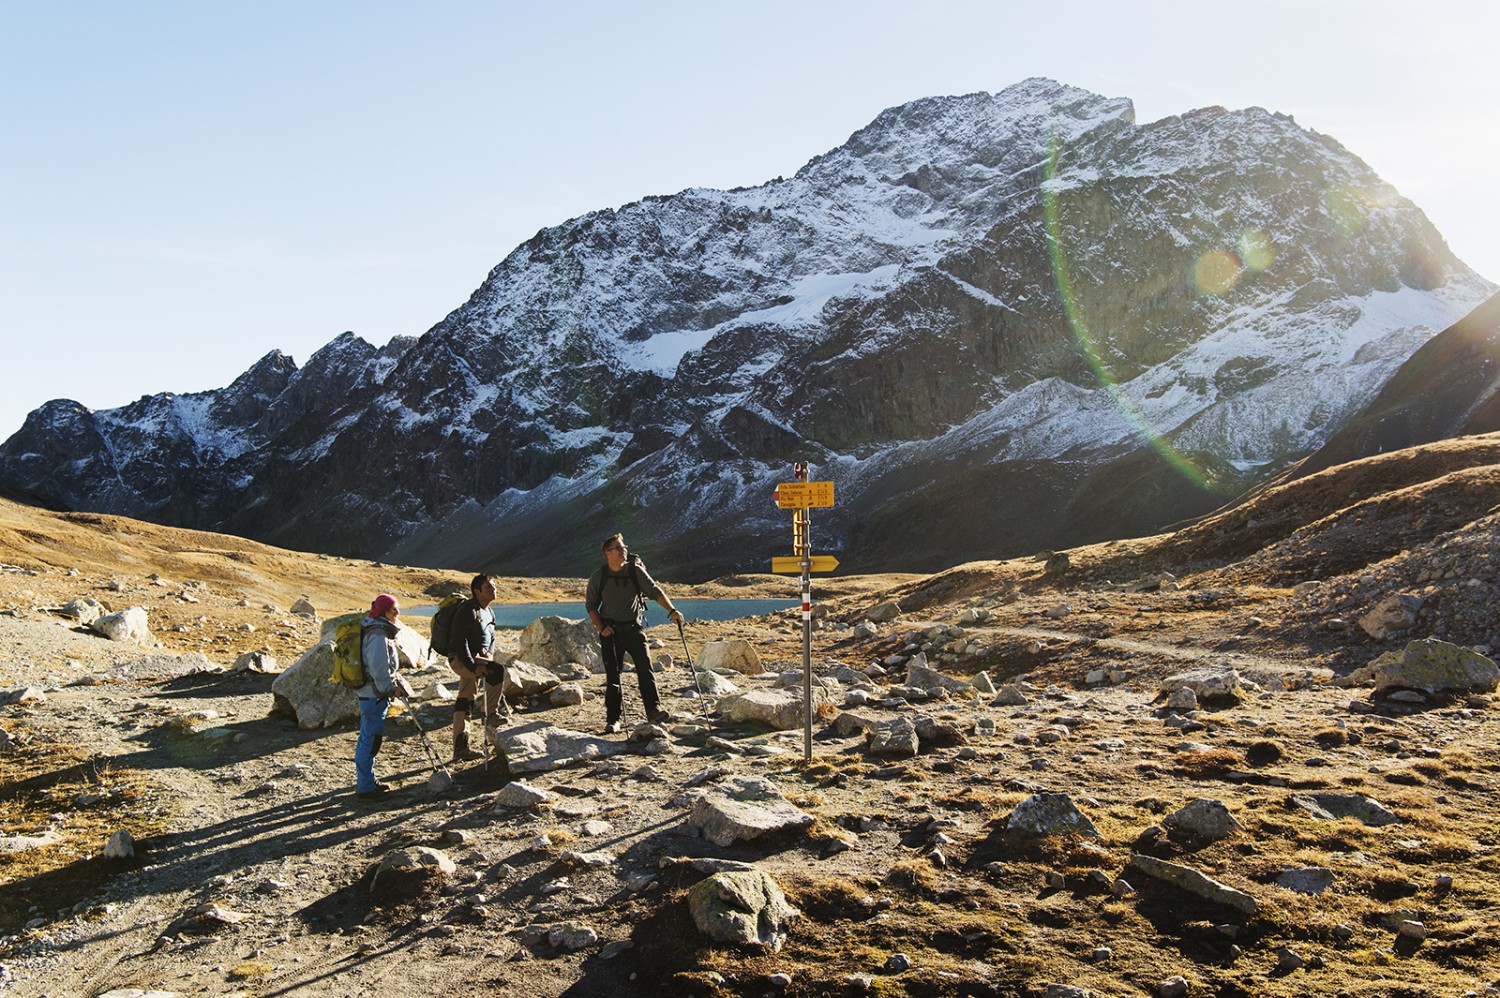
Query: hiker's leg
{"type": "Point", "coordinates": [635, 642]}
{"type": "Point", "coordinates": [468, 686]}
{"type": "Point", "coordinates": [613, 698]}
{"type": "Point", "coordinates": [371, 729]}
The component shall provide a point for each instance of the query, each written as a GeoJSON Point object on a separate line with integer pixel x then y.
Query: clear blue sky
{"type": "Point", "coordinates": [185, 186]}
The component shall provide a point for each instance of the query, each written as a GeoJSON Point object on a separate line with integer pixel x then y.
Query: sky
{"type": "Point", "coordinates": [186, 186]}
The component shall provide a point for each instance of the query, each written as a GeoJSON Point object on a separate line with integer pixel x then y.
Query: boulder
{"type": "Point", "coordinates": [745, 808]}
{"type": "Point", "coordinates": [408, 870]}
{"type": "Point", "coordinates": [1395, 614]}
{"type": "Point", "coordinates": [1206, 684]}
{"type": "Point", "coordinates": [303, 608]}
{"type": "Point", "coordinates": [1331, 807]}
{"type": "Point", "coordinates": [1201, 821]}
{"type": "Point", "coordinates": [745, 908]}
{"type": "Point", "coordinates": [537, 746]}
{"type": "Point", "coordinates": [1190, 880]}
{"type": "Point", "coordinates": [304, 692]}
{"type": "Point", "coordinates": [779, 709]}
{"type": "Point", "coordinates": [896, 737]}
{"type": "Point", "coordinates": [85, 611]}
{"type": "Point", "coordinates": [714, 685]}
{"type": "Point", "coordinates": [567, 695]}
{"type": "Point", "coordinates": [883, 612]}
{"type": "Point", "coordinates": [552, 642]}
{"type": "Point", "coordinates": [735, 655]}
{"type": "Point", "coordinates": [924, 677]}
{"type": "Point", "coordinates": [1433, 667]}
{"type": "Point", "coordinates": [1050, 814]}
{"type": "Point", "coordinates": [256, 661]}
{"type": "Point", "coordinates": [124, 625]}
{"type": "Point", "coordinates": [524, 680]}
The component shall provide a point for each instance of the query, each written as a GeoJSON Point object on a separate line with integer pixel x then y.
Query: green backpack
{"type": "Point", "coordinates": [349, 655]}
{"type": "Point", "coordinates": [442, 624]}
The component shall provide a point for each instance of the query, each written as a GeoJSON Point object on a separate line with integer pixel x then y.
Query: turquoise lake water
{"type": "Point", "coordinates": [517, 615]}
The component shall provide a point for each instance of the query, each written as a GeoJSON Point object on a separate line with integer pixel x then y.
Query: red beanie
{"type": "Point", "coordinates": [382, 603]}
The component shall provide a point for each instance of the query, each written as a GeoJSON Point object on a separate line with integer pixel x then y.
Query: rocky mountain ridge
{"type": "Point", "coordinates": [1018, 320]}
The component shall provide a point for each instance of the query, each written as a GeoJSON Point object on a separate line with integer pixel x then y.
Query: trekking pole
{"type": "Point", "coordinates": [691, 667]}
{"type": "Point", "coordinates": [437, 765]}
{"type": "Point", "coordinates": [484, 731]}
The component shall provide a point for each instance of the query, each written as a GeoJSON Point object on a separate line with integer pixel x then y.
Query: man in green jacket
{"type": "Point", "coordinates": [616, 602]}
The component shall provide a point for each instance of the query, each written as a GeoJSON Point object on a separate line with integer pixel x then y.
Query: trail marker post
{"type": "Point", "coordinates": [802, 496]}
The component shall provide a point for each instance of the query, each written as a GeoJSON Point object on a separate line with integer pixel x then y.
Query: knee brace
{"type": "Point", "coordinates": [462, 705]}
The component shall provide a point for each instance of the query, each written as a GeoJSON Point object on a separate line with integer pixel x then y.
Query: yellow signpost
{"type": "Point", "coordinates": [804, 495]}
{"type": "Point", "coordinates": [793, 564]}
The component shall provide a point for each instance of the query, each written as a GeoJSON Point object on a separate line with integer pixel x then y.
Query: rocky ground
{"type": "Point", "coordinates": [1334, 841]}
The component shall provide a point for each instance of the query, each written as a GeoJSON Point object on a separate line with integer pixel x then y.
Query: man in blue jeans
{"type": "Point", "coordinates": [616, 602]}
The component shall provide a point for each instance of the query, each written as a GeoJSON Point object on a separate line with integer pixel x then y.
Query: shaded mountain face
{"type": "Point", "coordinates": [998, 322]}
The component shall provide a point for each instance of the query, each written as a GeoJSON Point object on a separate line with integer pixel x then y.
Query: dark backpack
{"type": "Point", "coordinates": [635, 580]}
{"type": "Point", "coordinates": [442, 624]}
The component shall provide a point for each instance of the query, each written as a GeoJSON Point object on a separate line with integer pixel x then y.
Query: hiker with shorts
{"type": "Point", "coordinates": [378, 645]}
{"type": "Point", "coordinates": [471, 656]}
{"type": "Point", "coordinates": [616, 602]}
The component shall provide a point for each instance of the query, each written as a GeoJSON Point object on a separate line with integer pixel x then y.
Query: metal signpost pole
{"type": "Point", "coordinates": [801, 496]}
{"type": "Point", "coordinates": [803, 520]}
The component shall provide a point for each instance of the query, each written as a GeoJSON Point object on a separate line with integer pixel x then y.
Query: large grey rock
{"type": "Point", "coordinates": [896, 737]}
{"type": "Point", "coordinates": [1050, 814]}
{"type": "Point", "coordinates": [1433, 666]}
{"type": "Point", "coordinates": [416, 863]}
{"type": "Point", "coordinates": [741, 908]}
{"type": "Point", "coordinates": [1393, 615]}
{"type": "Point", "coordinates": [552, 642]}
{"type": "Point", "coordinates": [524, 680]}
{"type": "Point", "coordinates": [520, 795]}
{"type": "Point", "coordinates": [1306, 880]}
{"type": "Point", "coordinates": [924, 676]}
{"type": "Point", "coordinates": [779, 709]}
{"type": "Point", "coordinates": [1201, 821]}
{"type": "Point", "coordinates": [537, 746]}
{"type": "Point", "coordinates": [1207, 684]}
{"type": "Point", "coordinates": [303, 607]}
{"type": "Point", "coordinates": [884, 612]}
{"type": "Point", "coordinates": [85, 611]}
{"type": "Point", "coordinates": [734, 655]}
{"type": "Point", "coordinates": [304, 692]}
{"type": "Point", "coordinates": [124, 625]}
{"type": "Point", "coordinates": [1190, 880]}
{"type": "Point", "coordinates": [1331, 807]}
{"type": "Point", "coordinates": [413, 649]}
{"type": "Point", "coordinates": [745, 808]}
{"type": "Point", "coordinates": [256, 661]}
{"type": "Point", "coordinates": [714, 685]}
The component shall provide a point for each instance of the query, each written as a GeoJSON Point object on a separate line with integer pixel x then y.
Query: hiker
{"type": "Point", "coordinates": [472, 648]}
{"type": "Point", "coordinates": [378, 645]}
{"type": "Point", "coordinates": [616, 602]}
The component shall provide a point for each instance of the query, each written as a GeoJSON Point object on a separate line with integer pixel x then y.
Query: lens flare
{"type": "Point", "coordinates": [1257, 252]}
{"type": "Point", "coordinates": [1052, 222]}
{"type": "Point", "coordinates": [1216, 272]}
{"type": "Point", "coordinates": [1349, 208]}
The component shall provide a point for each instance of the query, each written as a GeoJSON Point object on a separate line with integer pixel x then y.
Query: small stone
{"type": "Point", "coordinates": [898, 962]}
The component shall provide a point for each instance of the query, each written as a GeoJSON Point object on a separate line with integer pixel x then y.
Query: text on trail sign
{"type": "Point", "coordinates": [800, 495]}
{"type": "Point", "coordinates": [793, 565]}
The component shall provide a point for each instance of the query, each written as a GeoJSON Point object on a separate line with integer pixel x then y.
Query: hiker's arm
{"type": "Point", "coordinates": [654, 591]}
{"type": "Point", "coordinates": [463, 648]}
{"type": "Point", "coordinates": [378, 662]}
{"type": "Point", "coordinates": [672, 611]}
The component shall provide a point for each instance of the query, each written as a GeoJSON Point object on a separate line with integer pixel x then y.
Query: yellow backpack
{"type": "Point", "coordinates": [349, 655]}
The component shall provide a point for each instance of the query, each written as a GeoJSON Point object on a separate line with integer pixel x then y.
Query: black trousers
{"type": "Point", "coordinates": [627, 638]}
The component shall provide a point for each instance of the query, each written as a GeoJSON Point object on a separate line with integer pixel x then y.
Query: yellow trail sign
{"type": "Point", "coordinates": [799, 495]}
{"type": "Point", "coordinates": [793, 565]}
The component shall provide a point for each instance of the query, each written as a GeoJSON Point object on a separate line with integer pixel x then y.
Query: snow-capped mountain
{"type": "Point", "coordinates": [998, 322]}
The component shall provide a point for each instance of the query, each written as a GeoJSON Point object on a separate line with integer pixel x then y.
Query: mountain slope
{"type": "Point", "coordinates": [1019, 307]}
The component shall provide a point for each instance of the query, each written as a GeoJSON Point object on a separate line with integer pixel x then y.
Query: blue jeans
{"type": "Point", "coordinates": [371, 733]}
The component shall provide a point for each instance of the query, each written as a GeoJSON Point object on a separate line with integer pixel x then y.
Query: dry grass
{"type": "Point", "coordinates": [83, 799]}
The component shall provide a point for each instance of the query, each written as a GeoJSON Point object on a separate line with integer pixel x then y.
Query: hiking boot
{"type": "Point", "coordinates": [461, 750]}
{"type": "Point", "coordinates": [659, 716]}
{"type": "Point", "coordinates": [613, 728]}
{"type": "Point", "coordinates": [380, 790]}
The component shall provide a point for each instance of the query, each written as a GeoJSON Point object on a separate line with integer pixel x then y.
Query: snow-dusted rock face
{"type": "Point", "coordinates": [999, 322]}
